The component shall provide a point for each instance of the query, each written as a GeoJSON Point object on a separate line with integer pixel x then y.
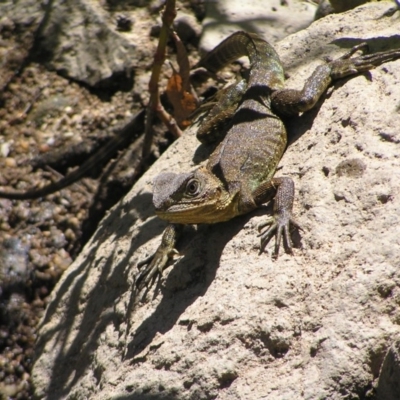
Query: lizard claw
{"type": "Point", "coordinates": [345, 65]}
{"type": "Point", "coordinates": [362, 46]}
{"type": "Point", "coordinates": [157, 262]}
{"type": "Point", "coordinates": [279, 225]}
{"type": "Point", "coordinates": [155, 265]}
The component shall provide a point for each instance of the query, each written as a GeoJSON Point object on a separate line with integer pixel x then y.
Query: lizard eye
{"type": "Point", "coordinates": [193, 187]}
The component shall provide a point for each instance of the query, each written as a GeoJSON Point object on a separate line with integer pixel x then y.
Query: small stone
{"type": "Point", "coordinates": [23, 145]}
{"type": "Point", "coordinates": [124, 23]}
{"type": "Point", "coordinates": [22, 212]}
{"type": "Point", "coordinates": [70, 235]}
{"type": "Point", "coordinates": [5, 149]}
{"type": "Point", "coordinates": [155, 31]}
{"type": "Point", "coordinates": [44, 148]}
{"type": "Point", "coordinates": [187, 27]}
{"type": "Point", "coordinates": [74, 222]}
{"type": "Point", "coordinates": [69, 110]}
{"type": "Point", "coordinates": [38, 259]}
{"type": "Point", "coordinates": [62, 260]}
{"type": "Point", "coordinates": [10, 162]}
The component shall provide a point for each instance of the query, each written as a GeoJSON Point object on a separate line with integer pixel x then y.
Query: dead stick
{"type": "Point", "coordinates": [154, 105]}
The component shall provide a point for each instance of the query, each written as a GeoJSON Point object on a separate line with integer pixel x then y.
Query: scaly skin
{"type": "Point", "coordinates": [239, 174]}
{"type": "Point", "coordinates": [244, 160]}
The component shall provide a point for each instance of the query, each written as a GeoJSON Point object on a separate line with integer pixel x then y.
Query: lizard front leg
{"type": "Point", "coordinates": [156, 263]}
{"type": "Point", "coordinates": [280, 222]}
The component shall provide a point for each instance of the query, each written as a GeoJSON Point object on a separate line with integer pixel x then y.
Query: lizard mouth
{"type": "Point", "coordinates": [217, 206]}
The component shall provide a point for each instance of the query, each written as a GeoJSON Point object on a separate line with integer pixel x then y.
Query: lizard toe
{"type": "Point", "coordinates": [281, 228]}
{"type": "Point", "coordinates": [155, 265]}
{"type": "Point", "coordinates": [266, 236]}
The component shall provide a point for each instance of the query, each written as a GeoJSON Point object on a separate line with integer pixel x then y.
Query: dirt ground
{"type": "Point", "coordinates": [49, 125]}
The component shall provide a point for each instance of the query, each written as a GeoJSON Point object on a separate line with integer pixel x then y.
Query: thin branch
{"type": "Point", "coordinates": [154, 105]}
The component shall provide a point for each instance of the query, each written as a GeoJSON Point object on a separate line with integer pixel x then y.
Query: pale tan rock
{"type": "Point", "coordinates": [226, 322]}
{"type": "Point", "coordinates": [272, 19]}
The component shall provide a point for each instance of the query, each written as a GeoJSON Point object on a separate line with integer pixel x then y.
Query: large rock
{"type": "Point", "coordinates": [66, 39]}
{"type": "Point", "coordinates": [77, 38]}
{"type": "Point", "coordinates": [229, 323]}
{"type": "Point", "coordinates": [274, 19]}
{"type": "Point", "coordinates": [18, 23]}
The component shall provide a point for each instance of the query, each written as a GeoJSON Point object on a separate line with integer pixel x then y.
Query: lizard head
{"type": "Point", "coordinates": [192, 198]}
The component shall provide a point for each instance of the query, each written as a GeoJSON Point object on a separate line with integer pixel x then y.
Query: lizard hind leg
{"type": "Point", "coordinates": [346, 66]}
{"type": "Point", "coordinates": [279, 224]}
{"type": "Point", "coordinates": [363, 47]}
{"type": "Point", "coordinates": [292, 102]}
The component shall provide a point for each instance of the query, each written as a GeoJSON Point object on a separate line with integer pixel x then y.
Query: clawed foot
{"type": "Point", "coordinates": [279, 225]}
{"type": "Point", "coordinates": [155, 265]}
{"type": "Point", "coordinates": [157, 262]}
{"type": "Point", "coordinates": [345, 65]}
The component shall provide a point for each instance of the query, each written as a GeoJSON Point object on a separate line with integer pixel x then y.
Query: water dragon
{"type": "Point", "coordinates": [239, 174]}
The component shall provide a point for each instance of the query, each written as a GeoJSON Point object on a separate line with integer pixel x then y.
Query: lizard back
{"type": "Point", "coordinates": [253, 146]}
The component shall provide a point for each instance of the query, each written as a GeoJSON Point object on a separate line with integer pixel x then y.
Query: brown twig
{"type": "Point", "coordinates": [155, 106]}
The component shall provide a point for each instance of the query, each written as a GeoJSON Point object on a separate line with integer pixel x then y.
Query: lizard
{"type": "Point", "coordinates": [117, 142]}
{"type": "Point", "coordinates": [239, 174]}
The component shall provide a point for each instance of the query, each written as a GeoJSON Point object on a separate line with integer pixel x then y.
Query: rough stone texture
{"type": "Point", "coordinates": [229, 323]}
{"type": "Point", "coordinates": [18, 24]}
{"type": "Point", "coordinates": [67, 33]}
{"type": "Point", "coordinates": [273, 19]}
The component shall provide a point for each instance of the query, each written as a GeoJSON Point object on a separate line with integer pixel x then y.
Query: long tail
{"type": "Point", "coordinates": [266, 68]}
